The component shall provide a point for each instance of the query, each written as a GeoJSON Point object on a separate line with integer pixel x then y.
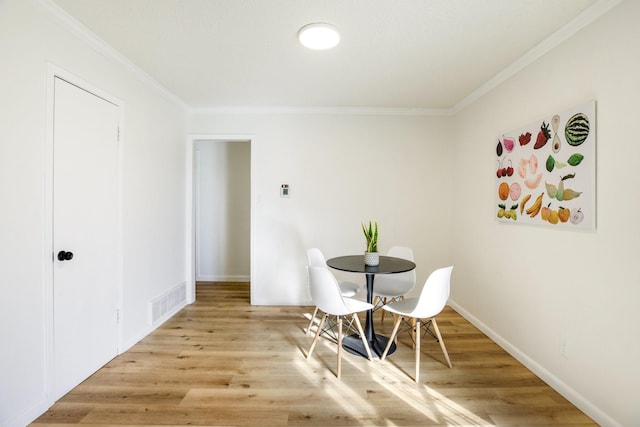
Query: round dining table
{"type": "Point", "coordinates": [355, 264]}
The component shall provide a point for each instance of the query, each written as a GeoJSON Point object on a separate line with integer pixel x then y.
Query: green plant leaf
{"type": "Point", "coordinates": [371, 236]}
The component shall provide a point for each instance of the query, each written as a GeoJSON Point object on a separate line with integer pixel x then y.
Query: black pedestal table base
{"type": "Point", "coordinates": [353, 344]}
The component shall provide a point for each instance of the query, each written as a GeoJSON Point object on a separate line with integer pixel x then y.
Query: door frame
{"type": "Point", "coordinates": [52, 72]}
{"type": "Point", "coordinates": [191, 201]}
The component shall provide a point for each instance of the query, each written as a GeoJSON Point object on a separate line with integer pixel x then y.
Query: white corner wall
{"type": "Point", "coordinates": [341, 170]}
{"type": "Point", "coordinates": [32, 36]}
{"type": "Point", "coordinates": [531, 287]}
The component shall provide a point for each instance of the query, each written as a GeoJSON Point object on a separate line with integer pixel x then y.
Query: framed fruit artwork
{"type": "Point", "coordinates": [545, 171]}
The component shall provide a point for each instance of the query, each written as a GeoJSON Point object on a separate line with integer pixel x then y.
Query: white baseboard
{"type": "Point", "coordinates": [561, 387]}
{"type": "Point", "coordinates": [29, 415]}
{"type": "Point", "coordinates": [215, 278]}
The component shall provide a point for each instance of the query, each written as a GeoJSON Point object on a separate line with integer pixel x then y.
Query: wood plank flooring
{"type": "Point", "coordinates": [223, 362]}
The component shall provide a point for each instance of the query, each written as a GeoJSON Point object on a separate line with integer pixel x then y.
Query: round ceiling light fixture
{"type": "Point", "coordinates": [319, 36]}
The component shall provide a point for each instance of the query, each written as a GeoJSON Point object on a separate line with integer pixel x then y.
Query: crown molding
{"type": "Point", "coordinates": [354, 111]}
{"type": "Point", "coordinates": [99, 45]}
{"type": "Point", "coordinates": [585, 18]}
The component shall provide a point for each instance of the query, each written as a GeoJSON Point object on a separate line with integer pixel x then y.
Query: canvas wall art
{"type": "Point", "coordinates": [545, 171]}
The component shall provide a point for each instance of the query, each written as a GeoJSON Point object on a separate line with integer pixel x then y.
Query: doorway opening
{"type": "Point", "coordinates": [220, 209]}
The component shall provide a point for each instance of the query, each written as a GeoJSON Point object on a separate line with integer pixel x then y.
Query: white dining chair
{"type": "Point", "coordinates": [390, 287]}
{"type": "Point", "coordinates": [326, 294]}
{"type": "Point", "coordinates": [423, 310]}
{"type": "Point", "coordinates": [315, 258]}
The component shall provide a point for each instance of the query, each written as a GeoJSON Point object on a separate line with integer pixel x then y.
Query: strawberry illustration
{"type": "Point", "coordinates": [524, 138]}
{"type": "Point", "coordinates": [543, 136]}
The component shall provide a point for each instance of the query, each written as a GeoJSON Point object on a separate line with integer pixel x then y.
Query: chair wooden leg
{"type": "Point", "coordinates": [313, 317]}
{"type": "Point", "coordinates": [339, 346]}
{"type": "Point", "coordinates": [441, 341]}
{"type": "Point", "coordinates": [395, 319]}
{"type": "Point", "coordinates": [315, 339]}
{"type": "Point", "coordinates": [384, 301]}
{"type": "Point", "coordinates": [362, 335]}
{"type": "Point", "coordinates": [414, 331]}
{"type": "Point", "coordinates": [417, 342]}
{"type": "Point", "coordinates": [391, 338]}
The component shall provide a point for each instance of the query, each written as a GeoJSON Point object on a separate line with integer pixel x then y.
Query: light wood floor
{"type": "Point", "coordinates": [221, 361]}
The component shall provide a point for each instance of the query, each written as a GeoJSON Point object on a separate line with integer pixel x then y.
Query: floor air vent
{"type": "Point", "coordinates": [165, 305]}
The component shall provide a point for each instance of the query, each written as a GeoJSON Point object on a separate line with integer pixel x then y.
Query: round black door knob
{"type": "Point", "coordinates": [65, 256]}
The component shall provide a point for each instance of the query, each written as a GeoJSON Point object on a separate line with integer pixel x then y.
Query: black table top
{"type": "Point", "coordinates": [355, 264]}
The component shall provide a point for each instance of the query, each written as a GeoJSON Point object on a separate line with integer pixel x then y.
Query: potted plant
{"type": "Point", "coordinates": [371, 255]}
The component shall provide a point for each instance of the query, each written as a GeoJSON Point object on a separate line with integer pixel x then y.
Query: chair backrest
{"type": "Point", "coordinates": [325, 291]}
{"type": "Point", "coordinates": [316, 258]}
{"type": "Point", "coordinates": [434, 294]}
{"type": "Point", "coordinates": [399, 282]}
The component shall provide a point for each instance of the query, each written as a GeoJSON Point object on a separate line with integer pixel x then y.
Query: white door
{"type": "Point", "coordinates": [85, 224]}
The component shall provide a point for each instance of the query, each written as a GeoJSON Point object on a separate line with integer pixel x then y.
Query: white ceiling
{"type": "Point", "coordinates": [394, 54]}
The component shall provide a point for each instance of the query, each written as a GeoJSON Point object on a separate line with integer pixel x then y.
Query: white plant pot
{"type": "Point", "coordinates": [371, 258]}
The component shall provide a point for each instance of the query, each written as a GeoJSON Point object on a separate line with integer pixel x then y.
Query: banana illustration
{"type": "Point", "coordinates": [524, 202]}
{"type": "Point", "coordinates": [534, 209]}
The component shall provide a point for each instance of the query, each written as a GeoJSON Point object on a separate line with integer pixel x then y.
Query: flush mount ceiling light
{"type": "Point", "coordinates": [319, 36]}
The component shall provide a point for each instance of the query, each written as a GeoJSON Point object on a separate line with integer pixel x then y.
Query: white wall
{"type": "Point", "coordinates": [531, 287]}
{"type": "Point", "coordinates": [341, 169]}
{"type": "Point", "coordinates": [223, 210]}
{"type": "Point", "coordinates": [153, 199]}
